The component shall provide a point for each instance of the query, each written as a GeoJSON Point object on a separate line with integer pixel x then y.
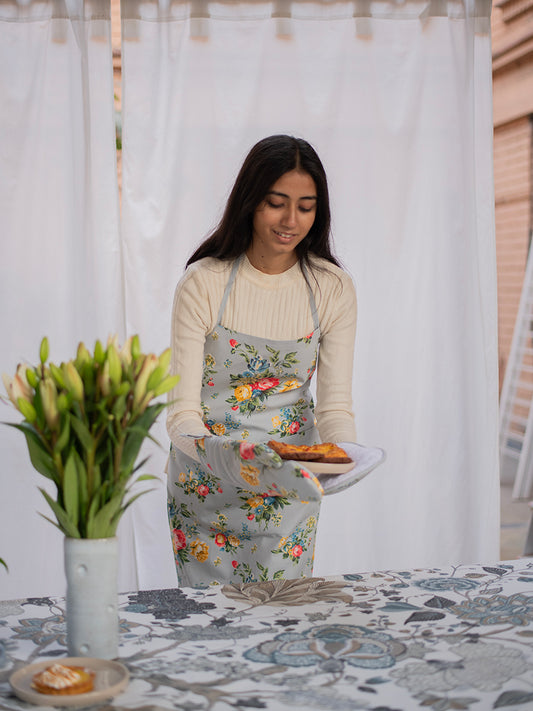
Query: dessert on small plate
{"type": "Point", "coordinates": [69, 681]}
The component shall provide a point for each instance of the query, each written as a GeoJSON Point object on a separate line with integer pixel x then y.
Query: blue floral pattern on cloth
{"type": "Point", "coordinates": [380, 640]}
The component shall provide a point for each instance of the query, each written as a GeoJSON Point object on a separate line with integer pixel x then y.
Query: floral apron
{"type": "Point", "coordinates": [236, 510]}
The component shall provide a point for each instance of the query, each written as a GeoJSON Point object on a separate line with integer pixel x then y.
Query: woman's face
{"type": "Point", "coordinates": [283, 219]}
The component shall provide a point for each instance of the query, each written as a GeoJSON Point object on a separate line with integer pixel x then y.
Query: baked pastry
{"type": "Point", "coordinates": [325, 453]}
{"type": "Point", "coordinates": [59, 679]}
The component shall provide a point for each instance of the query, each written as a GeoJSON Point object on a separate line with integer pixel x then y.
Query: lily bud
{"type": "Point", "coordinates": [164, 359]}
{"type": "Point", "coordinates": [113, 363]}
{"type": "Point", "coordinates": [48, 392]}
{"type": "Point", "coordinates": [135, 347]}
{"type": "Point", "coordinates": [166, 384]}
{"type": "Point", "coordinates": [62, 402]}
{"type": "Point", "coordinates": [31, 377]}
{"type": "Point", "coordinates": [82, 355]}
{"type": "Point", "coordinates": [125, 352]}
{"type": "Point", "coordinates": [99, 353]}
{"type": "Point", "coordinates": [8, 384]}
{"type": "Point", "coordinates": [57, 375]}
{"type": "Point", "coordinates": [149, 365]}
{"type": "Point", "coordinates": [112, 340]}
{"type": "Point", "coordinates": [43, 351]}
{"type": "Point", "coordinates": [104, 381]}
{"type": "Point", "coordinates": [21, 389]}
{"type": "Point", "coordinates": [73, 380]}
{"type": "Point", "coordinates": [28, 411]}
{"type": "Point", "coordinates": [155, 378]}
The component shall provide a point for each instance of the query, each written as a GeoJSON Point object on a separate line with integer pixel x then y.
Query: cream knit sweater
{"type": "Point", "coordinates": [269, 306]}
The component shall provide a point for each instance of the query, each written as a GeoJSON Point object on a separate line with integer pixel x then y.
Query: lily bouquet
{"type": "Point", "coordinates": [84, 423]}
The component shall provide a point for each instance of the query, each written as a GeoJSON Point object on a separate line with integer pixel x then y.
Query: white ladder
{"type": "Point", "coordinates": [516, 403]}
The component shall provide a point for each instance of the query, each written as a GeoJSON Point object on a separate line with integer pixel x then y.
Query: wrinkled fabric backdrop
{"type": "Point", "coordinates": [396, 98]}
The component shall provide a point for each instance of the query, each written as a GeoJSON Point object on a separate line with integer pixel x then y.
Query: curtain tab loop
{"type": "Point", "coordinates": [199, 22]}
{"type": "Point", "coordinates": [362, 14]}
{"type": "Point", "coordinates": [282, 13]}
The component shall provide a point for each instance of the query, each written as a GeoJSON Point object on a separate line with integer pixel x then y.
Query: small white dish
{"type": "Point", "coordinates": [110, 679]}
{"type": "Point", "coordinates": [325, 468]}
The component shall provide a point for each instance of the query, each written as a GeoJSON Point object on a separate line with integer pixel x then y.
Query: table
{"type": "Point", "coordinates": [459, 637]}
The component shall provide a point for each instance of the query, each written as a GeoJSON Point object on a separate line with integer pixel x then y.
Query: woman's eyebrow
{"type": "Point", "coordinates": [304, 197]}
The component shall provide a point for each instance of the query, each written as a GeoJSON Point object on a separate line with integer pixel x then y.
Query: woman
{"type": "Point", "coordinates": [258, 298]}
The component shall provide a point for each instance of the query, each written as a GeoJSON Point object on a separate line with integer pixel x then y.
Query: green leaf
{"type": "Point", "coordinates": [101, 525]}
{"type": "Point", "coordinates": [65, 524]}
{"type": "Point", "coordinates": [82, 431]}
{"type": "Point", "coordinates": [71, 490]}
{"type": "Point", "coordinates": [146, 477]}
{"type": "Point", "coordinates": [2, 562]}
{"type": "Point", "coordinates": [39, 456]}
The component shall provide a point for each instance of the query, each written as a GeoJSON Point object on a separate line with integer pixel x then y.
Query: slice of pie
{"type": "Point", "coordinates": [325, 453]}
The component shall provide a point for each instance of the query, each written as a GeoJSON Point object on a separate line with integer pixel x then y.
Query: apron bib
{"type": "Point", "coordinates": [242, 518]}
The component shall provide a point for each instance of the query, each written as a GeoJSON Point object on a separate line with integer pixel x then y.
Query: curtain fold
{"type": "Point", "coordinates": [61, 267]}
{"type": "Point", "coordinates": [396, 98]}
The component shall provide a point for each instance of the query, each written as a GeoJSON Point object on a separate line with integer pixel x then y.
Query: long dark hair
{"type": "Point", "coordinates": [267, 161]}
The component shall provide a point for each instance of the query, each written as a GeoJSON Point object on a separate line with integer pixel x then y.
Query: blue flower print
{"type": "Point", "coordinates": [447, 584]}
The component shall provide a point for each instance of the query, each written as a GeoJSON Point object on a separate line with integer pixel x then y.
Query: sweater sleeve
{"type": "Point", "coordinates": [334, 413]}
{"type": "Point", "coordinates": [191, 322]}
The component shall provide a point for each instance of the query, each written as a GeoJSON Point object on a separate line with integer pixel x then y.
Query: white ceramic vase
{"type": "Point", "coordinates": [92, 598]}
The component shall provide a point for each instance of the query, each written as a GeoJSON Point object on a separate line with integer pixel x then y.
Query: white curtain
{"type": "Point", "coordinates": [396, 98]}
{"type": "Point", "coordinates": [60, 271]}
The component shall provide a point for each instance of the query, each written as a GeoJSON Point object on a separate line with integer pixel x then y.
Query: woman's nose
{"type": "Point", "coordinates": [289, 216]}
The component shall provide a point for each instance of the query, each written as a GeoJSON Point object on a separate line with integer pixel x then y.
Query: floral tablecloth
{"type": "Point", "coordinates": [441, 638]}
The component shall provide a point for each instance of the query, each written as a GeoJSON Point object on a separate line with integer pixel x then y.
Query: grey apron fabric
{"type": "Point", "coordinates": [236, 511]}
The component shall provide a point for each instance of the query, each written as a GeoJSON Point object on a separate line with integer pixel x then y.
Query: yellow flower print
{"type": "Point", "coordinates": [276, 421]}
{"type": "Point", "coordinates": [200, 550]}
{"type": "Point", "coordinates": [245, 434]}
{"type": "Point", "coordinates": [276, 519]}
{"type": "Point", "coordinates": [253, 549]}
{"type": "Point", "coordinates": [217, 561]}
{"type": "Point", "coordinates": [250, 474]}
{"type": "Point", "coordinates": [255, 501]}
{"type": "Point", "coordinates": [243, 392]}
{"type": "Point", "coordinates": [214, 336]}
{"type": "Point", "coordinates": [290, 384]}
{"type": "Point", "coordinates": [233, 541]}
{"type": "Point", "coordinates": [182, 477]}
{"type": "Point", "coordinates": [209, 359]}
{"type": "Point", "coordinates": [218, 428]}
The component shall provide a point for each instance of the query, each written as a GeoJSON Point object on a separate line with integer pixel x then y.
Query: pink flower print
{"type": "Point", "coordinates": [234, 563]}
{"type": "Point", "coordinates": [305, 474]}
{"type": "Point", "coordinates": [220, 539]}
{"type": "Point", "coordinates": [297, 551]}
{"type": "Point", "coordinates": [294, 427]}
{"type": "Point", "coordinates": [211, 383]}
{"type": "Point", "coordinates": [235, 407]}
{"type": "Point", "coordinates": [233, 342]}
{"type": "Point", "coordinates": [246, 450]}
{"type": "Point", "coordinates": [203, 490]}
{"type": "Point", "coordinates": [219, 489]}
{"type": "Point", "coordinates": [266, 383]}
{"type": "Point", "coordinates": [178, 539]}
{"type": "Point", "coordinates": [250, 517]}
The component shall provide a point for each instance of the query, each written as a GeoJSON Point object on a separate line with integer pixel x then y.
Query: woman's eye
{"type": "Point", "coordinates": [274, 204]}
{"type": "Point", "coordinates": [305, 209]}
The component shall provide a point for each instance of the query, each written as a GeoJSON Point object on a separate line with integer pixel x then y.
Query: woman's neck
{"type": "Point", "coordinates": [271, 264]}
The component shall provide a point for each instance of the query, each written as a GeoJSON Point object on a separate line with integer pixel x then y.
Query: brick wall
{"type": "Point", "coordinates": [512, 64]}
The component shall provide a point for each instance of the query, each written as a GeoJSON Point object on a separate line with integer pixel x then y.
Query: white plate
{"type": "Point", "coordinates": [325, 468]}
{"type": "Point", "coordinates": [111, 677]}
{"type": "Point", "coordinates": [366, 460]}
